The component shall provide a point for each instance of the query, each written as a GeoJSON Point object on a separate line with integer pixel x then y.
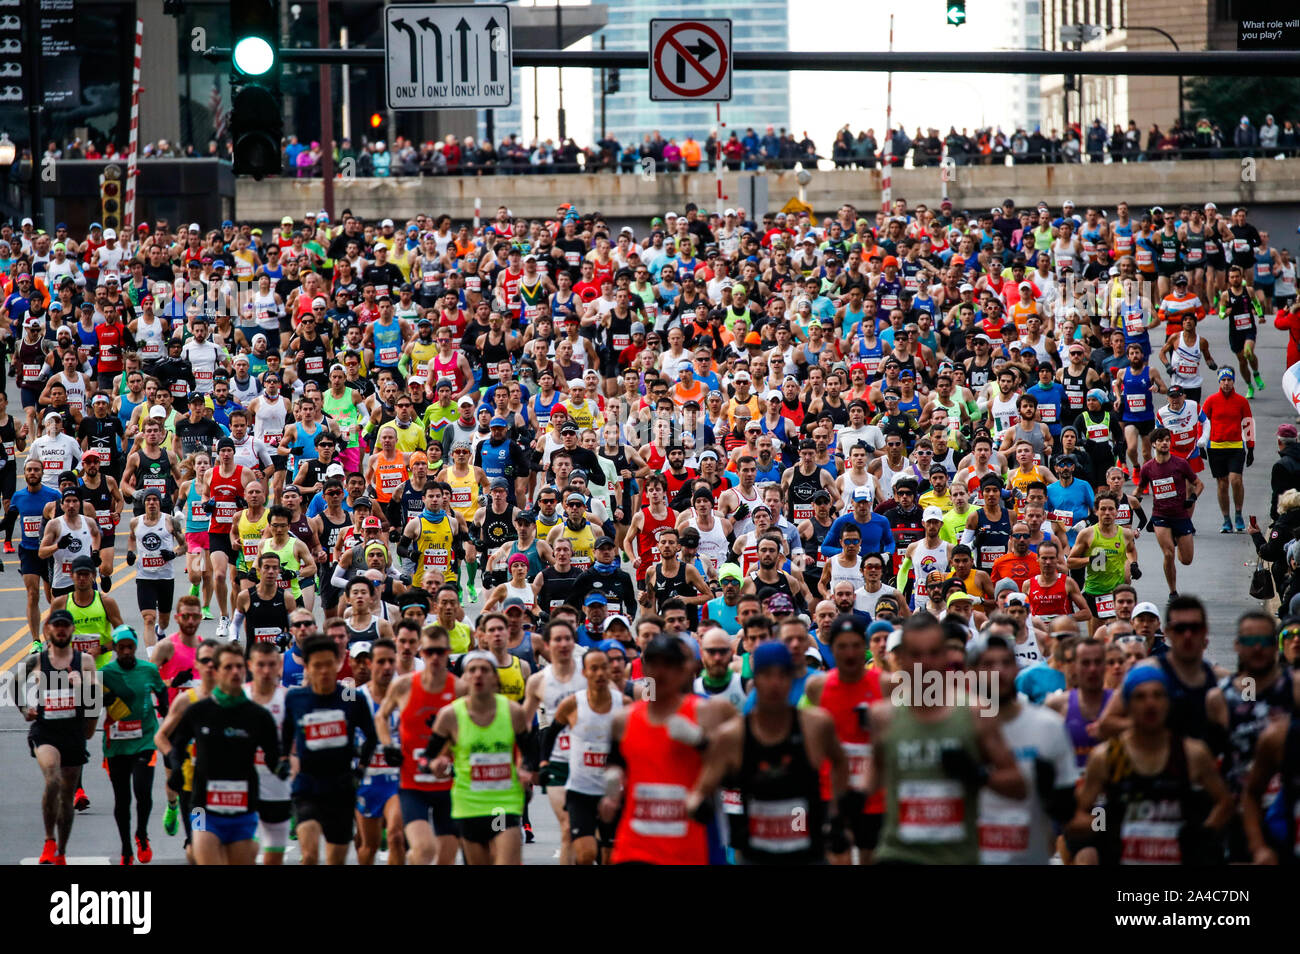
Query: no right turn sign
{"type": "Point", "coordinates": [690, 60]}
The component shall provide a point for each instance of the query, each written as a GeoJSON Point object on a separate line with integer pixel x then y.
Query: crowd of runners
{"type": "Point", "coordinates": [722, 540]}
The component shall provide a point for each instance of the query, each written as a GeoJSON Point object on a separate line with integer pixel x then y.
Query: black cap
{"type": "Point", "coordinates": [1175, 389]}
{"type": "Point", "coordinates": [604, 542]}
{"type": "Point", "coordinates": [61, 616]}
{"type": "Point", "coordinates": [83, 563]}
{"type": "Point", "coordinates": [500, 483]}
{"type": "Point", "coordinates": [665, 647]}
{"type": "Point", "coordinates": [196, 397]}
{"type": "Point", "coordinates": [807, 444]}
{"type": "Point", "coordinates": [224, 443]}
{"type": "Point", "coordinates": [822, 496]}
{"type": "Point", "coordinates": [847, 623]}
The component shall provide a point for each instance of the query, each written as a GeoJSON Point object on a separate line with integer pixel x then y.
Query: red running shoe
{"type": "Point", "coordinates": [9, 547]}
{"type": "Point", "coordinates": [80, 802]}
{"type": "Point", "coordinates": [143, 849]}
{"type": "Point", "coordinates": [127, 860]}
{"type": "Point", "coordinates": [47, 852]}
{"type": "Point", "coordinates": [60, 859]}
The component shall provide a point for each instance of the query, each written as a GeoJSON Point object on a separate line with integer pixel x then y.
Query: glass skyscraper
{"type": "Point", "coordinates": [758, 99]}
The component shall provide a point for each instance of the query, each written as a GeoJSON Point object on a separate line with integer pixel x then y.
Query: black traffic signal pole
{"type": "Point", "coordinates": [1143, 63]}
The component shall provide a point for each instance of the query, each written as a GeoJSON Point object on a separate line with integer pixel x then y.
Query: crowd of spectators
{"type": "Point", "coordinates": [748, 150]}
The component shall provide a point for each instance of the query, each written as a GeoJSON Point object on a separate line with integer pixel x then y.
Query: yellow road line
{"type": "Point", "coordinates": [14, 660]}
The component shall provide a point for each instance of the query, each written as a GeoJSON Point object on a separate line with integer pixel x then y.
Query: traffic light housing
{"type": "Point", "coordinates": [256, 106]}
{"type": "Point", "coordinates": [110, 197]}
{"type": "Point", "coordinates": [612, 82]}
{"type": "Point", "coordinates": [956, 12]}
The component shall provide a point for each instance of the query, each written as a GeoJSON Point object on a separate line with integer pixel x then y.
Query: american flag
{"type": "Point", "coordinates": [219, 115]}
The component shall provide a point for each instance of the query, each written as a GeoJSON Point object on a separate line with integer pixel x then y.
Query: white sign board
{"type": "Point", "coordinates": [690, 60]}
{"type": "Point", "coordinates": [444, 56]}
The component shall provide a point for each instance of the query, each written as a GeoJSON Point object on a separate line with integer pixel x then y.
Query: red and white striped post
{"type": "Point", "coordinates": [887, 154]}
{"type": "Point", "coordinates": [133, 144]}
{"type": "Point", "coordinates": [717, 165]}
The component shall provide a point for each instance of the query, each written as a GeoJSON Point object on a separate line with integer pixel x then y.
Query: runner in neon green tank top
{"type": "Point", "coordinates": [93, 614]}
{"type": "Point", "coordinates": [487, 795]}
{"type": "Point", "coordinates": [1109, 554]}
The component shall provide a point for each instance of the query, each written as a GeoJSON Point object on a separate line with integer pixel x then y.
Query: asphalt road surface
{"type": "Point", "coordinates": [1219, 575]}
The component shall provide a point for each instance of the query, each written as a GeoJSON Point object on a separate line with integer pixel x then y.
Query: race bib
{"type": "Point", "coordinates": [87, 643]}
{"type": "Point", "coordinates": [660, 811]}
{"type": "Point", "coordinates": [152, 561]}
{"type": "Point", "coordinates": [473, 283]}
{"type": "Point", "coordinates": [106, 351]}
{"type": "Point", "coordinates": [388, 356]}
{"type": "Point", "coordinates": [315, 364]}
{"type": "Point", "coordinates": [732, 802]}
{"type": "Point", "coordinates": [1098, 432]}
{"type": "Point", "coordinates": [859, 755]}
{"type": "Point", "coordinates": [31, 372]}
{"type": "Point", "coordinates": [621, 342]}
{"type": "Point", "coordinates": [266, 634]}
{"type": "Point", "coordinates": [202, 376]}
{"type": "Point", "coordinates": [436, 558]}
{"type": "Point", "coordinates": [1047, 412]}
{"type": "Point", "coordinates": [931, 812]}
{"type": "Point", "coordinates": [1193, 255]}
{"type": "Point", "coordinates": [251, 546]}
{"type": "Point", "coordinates": [59, 703]}
{"type": "Point", "coordinates": [1243, 321]}
{"type": "Point", "coordinates": [1240, 245]}
{"type": "Point", "coordinates": [1004, 831]}
{"type": "Point", "coordinates": [803, 511]}
{"type": "Point", "coordinates": [779, 826]}
{"type": "Point", "coordinates": [491, 771]}
{"type": "Point", "coordinates": [228, 796]}
{"type": "Point", "coordinates": [325, 729]}
{"type": "Point", "coordinates": [1105, 603]}
{"type": "Point", "coordinates": [1143, 257]}
{"type": "Point", "coordinates": [1163, 488]}
{"type": "Point", "coordinates": [1137, 403]}
{"type": "Point", "coordinates": [1150, 843]}
{"type": "Point", "coordinates": [989, 555]}
{"type": "Point", "coordinates": [104, 518]}
{"type": "Point", "coordinates": [32, 527]}
{"type": "Point", "coordinates": [1185, 368]}
{"type": "Point", "coordinates": [124, 730]}
{"type": "Point", "coordinates": [595, 755]}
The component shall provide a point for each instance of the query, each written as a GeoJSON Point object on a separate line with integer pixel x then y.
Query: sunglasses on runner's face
{"type": "Point", "coordinates": [433, 651]}
{"type": "Point", "coordinates": [1179, 628]}
{"type": "Point", "coordinates": [203, 660]}
{"type": "Point", "coordinates": [1256, 641]}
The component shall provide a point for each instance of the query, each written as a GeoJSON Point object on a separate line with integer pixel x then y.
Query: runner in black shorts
{"type": "Point", "coordinates": [321, 722]}
{"type": "Point", "coordinates": [1241, 310]}
{"type": "Point", "coordinates": [59, 696]}
{"type": "Point", "coordinates": [12, 439]}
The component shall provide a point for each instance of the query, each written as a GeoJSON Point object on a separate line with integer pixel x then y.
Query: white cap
{"type": "Point", "coordinates": [772, 394]}
{"type": "Point", "coordinates": [320, 300]}
{"type": "Point", "coordinates": [894, 641]}
{"type": "Point", "coordinates": [52, 416]}
{"type": "Point", "coordinates": [729, 212]}
{"type": "Point", "coordinates": [110, 234]}
{"type": "Point", "coordinates": [465, 399]}
{"type": "Point", "coordinates": [932, 513]}
{"type": "Point", "coordinates": [158, 411]}
{"type": "Point", "coordinates": [27, 222]}
{"type": "Point", "coordinates": [259, 335]}
{"type": "Point", "coordinates": [1018, 597]}
{"type": "Point", "coordinates": [1146, 608]}
{"type": "Point", "coordinates": [1025, 286]}
{"type": "Point", "coordinates": [965, 287]}
{"type": "Point", "coordinates": [862, 492]}
{"type": "Point", "coordinates": [1069, 202]}
{"type": "Point", "coordinates": [359, 647]}
{"type": "Point", "coordinates": [387, 223]}
{"type": "Point", "coordinates": [194, 227]}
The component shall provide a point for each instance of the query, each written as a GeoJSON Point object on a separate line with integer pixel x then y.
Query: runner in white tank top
{"type": "Point", "coordinates": [713, 542]}
{"type": "Point", "coordinates": [734, 693]}
{"type": "Point", "coordinates": [268, 423]}
{"type": "Point", "coordinates": [266, 314]}
{"type": "Point", "coordinates": [82, 545]}
{"type": "Point", "coordinates": [589, 745]}
{"type": "Point", "coordinates": [553, 693]}
{"type": "Point", "coordinates": [1185, 362]}
{"type": "Point", "coordinates": [76, 389]}
{"type": "Point", "coordinates": [150, 541]}
{"type": "Point", "coordinates": [852, 573]}
{"type": "Point", "coordinates": [149, 337]}
{"type": "Point", "coordinates": [525, 595]}
{"type": "Point", "coordinates": [1004, 413]}
{"type": "Point", "coordinates": [887, 475]}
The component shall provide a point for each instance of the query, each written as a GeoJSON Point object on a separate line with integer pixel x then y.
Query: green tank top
{"type": "Point", "coordinates": [288, 563]}
{"type": "Point", "coordinates": [486, 781]}
{"type": "Point", "coordinates": [929, 818]}
{"type": "Point", "coordinates": [89, 622]}
{"type": "Point", "coordinates": [1043, 238]}
{"type": "Point", "coordinates": [1105, 562]}
{"type": "Point", "coordinates": [344, 413]}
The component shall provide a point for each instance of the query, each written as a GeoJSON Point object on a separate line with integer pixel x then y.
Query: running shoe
{"type": "Point", "coordinates": [471, 593]}
{"type": "Point", "coordinates": [529, 837]}
{"type": "Point", "coordinates": [60, 859]}
{"type": "Point", "coordinates": [9, 546]}
{"type": "Point", "coordinates": [293, 828]}
{"type": "Point", "coordinates": [1250, 391]}
{"type": "Point", "coordinates": [170, 818]}
{"type": "Point", "coordinates": [48, 851]}
{"type": "Point", "coordinates": [36, 648]}
{"type": "Point", "coordinates": [207, 613]}
{"type": "Point", "coordinates": [1259, 381]}
{"type": "Point", "coordinates": [105, 582]}
{"type": "Point", "coordinates": [143, 849]}
{"type": "Point", "coordinates": [80, 802]}
{"type": "Point", "coordinates": [127, 860]}
{"type": "Point", "coordinates": [158, 632]}
{"type": "Point", "coordinates": [1227, 525]}
{"type": "Point", "coordinates": [1241, 524]}
{"type": "Point", "coordinates": [194, 589]}
{"type": "Point", "coordinates": [224, 629]}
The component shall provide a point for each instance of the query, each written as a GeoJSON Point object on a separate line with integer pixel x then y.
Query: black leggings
{"type": "Point", "coordinates": [128, 773]}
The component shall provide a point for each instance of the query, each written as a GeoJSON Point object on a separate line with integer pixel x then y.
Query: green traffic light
{"type": "Point", "coordinates": [253, 56]}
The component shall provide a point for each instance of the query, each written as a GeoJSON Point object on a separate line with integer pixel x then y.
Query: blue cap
{"type": "Point", "coordinates": [1098, 394]}
{"type": "Point", "coordinates": [61, 225]}
{"type": "Point", "coordinates": [218, 264]}
{"type": "Point", "coordinates": [227, 224]}
{"type": "Point", "coordinates": [1141, 674]}
{"type": "Point", "coordinates": [879, 626]}
{"type": "Point", "coordinates": [125, 632]}
{"type": "Point", "coordinates": [1227, 373]}
{"type": "Point", "coordinates": [95, 225]}
{"type": "Point", "coordinates": [498, 422]}
{"type": "Point", "coordinates": [770, 654]}
{"type": "Point", "coordinates": [612, 646]}
{"type": "Point", "coordinates": [595, 599]}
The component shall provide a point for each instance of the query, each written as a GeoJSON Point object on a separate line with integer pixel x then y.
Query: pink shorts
{"type": "Point", "coordinates": [196, 542]}
{"type": "Point", "coordinates": [350, 458]}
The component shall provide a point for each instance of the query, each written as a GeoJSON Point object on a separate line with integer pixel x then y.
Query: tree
{"type": "Point", "coordinates": [1225, 99]}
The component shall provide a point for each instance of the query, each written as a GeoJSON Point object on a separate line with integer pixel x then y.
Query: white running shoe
{"type": "Point", "coordinates": [223, 628]}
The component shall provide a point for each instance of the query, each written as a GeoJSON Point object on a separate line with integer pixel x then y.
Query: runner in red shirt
{"type": "Point", "coordinates": [1170, 478]}
{"type": "Point", "coordinates": [1018, 564]}
{"type": "Point", "coordinates": [657, 748]}
{"type": "Point", "coordinates": [1232, 444]}
{"type": "Point", "coordinates": [847, 692]}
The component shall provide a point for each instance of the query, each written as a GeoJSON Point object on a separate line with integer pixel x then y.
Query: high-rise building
{"type": "Point", "coordinates": [758, 99]}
